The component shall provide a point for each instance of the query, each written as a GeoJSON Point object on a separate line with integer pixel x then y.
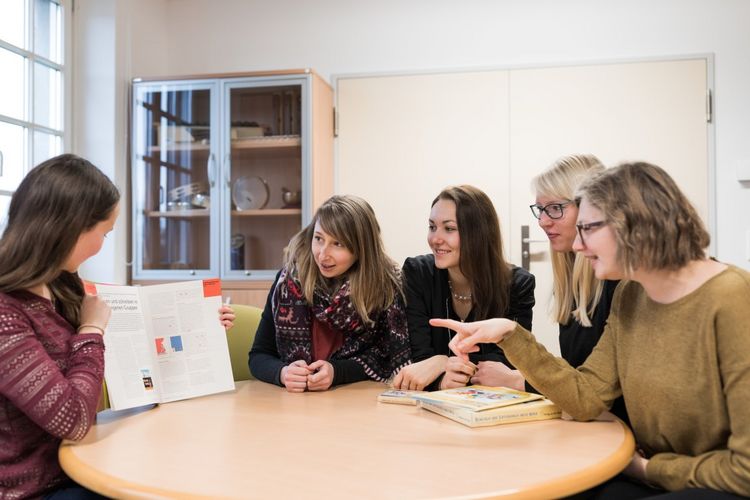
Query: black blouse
{"type": "Point", "coordinates": [428, 296]}
{"type": "Point", "coordinates": [577, 341]}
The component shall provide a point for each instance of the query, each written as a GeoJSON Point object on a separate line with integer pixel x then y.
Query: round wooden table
{"type": "Point", "coordinates": [262, 442]}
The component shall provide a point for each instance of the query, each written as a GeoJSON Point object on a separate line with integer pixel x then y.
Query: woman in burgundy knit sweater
{"type": "Point", "coordinates": [51, 347]}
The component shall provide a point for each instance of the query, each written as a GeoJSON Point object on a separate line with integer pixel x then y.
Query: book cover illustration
{"type": "Point", "coordinates": [401, 397]}
{"type": "Point", "coordinates": [479, 397]}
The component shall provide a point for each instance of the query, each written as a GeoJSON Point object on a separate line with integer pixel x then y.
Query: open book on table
{"type": "Point", "coordinates": [164, 342]}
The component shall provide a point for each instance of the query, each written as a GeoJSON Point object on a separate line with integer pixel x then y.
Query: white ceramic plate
{"type": "Point", "coordinates": [250, 193]}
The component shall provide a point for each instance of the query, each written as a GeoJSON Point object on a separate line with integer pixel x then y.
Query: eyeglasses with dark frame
{"type": "Point", "coordinates": [553, 210]}
{"type": "Point", "coordinates": [586, 228]}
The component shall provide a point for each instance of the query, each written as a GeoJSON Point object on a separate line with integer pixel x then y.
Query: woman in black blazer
{"type": "Point", "coordinates": [465, 278]}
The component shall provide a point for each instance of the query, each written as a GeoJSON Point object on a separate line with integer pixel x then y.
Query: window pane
{"type": "Point", "coordinates": [13, 159]}
{"type": "Point", "coordinates": [12, 22]}
{"type": "Point", "coordinates": [47, 96]}
{"type": "Point", "coordinates": [4, 203]}
{"type": "Point", "coordinates": [12, 96]}
{"type": "Point", "coordinates": [47, 30]}
{"type": "Point", "coordinates": [46, 146]}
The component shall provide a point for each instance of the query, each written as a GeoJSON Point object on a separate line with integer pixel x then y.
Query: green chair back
{"type": "Point", "coordinates": [240, 339]}
{"type": "Point", "coordinates": [103, 399]}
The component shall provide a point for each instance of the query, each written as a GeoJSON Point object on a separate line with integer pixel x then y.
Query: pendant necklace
{"type": "Point", "coordinates": [459, 297]}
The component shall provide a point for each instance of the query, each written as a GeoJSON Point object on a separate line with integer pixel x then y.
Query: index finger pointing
{"type": "Point", "coordinates": [448, 323]}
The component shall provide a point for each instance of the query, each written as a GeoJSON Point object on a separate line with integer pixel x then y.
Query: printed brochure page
{"type": "Point", "coordinates": [164, 343]}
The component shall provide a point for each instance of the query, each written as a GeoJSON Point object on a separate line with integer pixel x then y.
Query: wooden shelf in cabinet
{"type": "Point", "coordinates": [182, 146]}
{"type": "Point", "coordinates": [268, 142]}
{"type": "Point", "coordinates": [180, 214]}
{"type": "Point", "coordinates": [265, 212]}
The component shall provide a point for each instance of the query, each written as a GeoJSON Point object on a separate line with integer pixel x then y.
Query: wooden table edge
{"type": "Point", "coordinates": [108, 485]}
{"type": "Point", "coordinates": [111, 486]}
{"type": "Point", "coordinates": [587, 478]}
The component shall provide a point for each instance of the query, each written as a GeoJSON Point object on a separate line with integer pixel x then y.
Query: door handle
{"type": "Point", "coordinates": [226, 168]}
{"type": "Point", "coordinates": [211, 170]}
{"type": "Point", "coordinates": [525, 241]}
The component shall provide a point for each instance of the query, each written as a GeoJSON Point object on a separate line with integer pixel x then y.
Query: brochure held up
{"type": "Point", "coordinates": [164, 342]}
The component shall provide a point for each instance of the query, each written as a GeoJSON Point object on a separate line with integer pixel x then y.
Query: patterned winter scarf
{"type": "Point", "coordinates": [381, 348]}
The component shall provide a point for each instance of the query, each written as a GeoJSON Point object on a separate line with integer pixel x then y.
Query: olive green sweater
{"type": "Point", "coordinates": [684, 372]}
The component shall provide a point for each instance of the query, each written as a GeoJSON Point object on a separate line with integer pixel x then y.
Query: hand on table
{"type": "Point", "coordinates": [457, 373]}
{"type": "Point", "coordinates": [417, 376]}
{"type": "Point", "coordinates": [294, 376]}
{"type": "Point", "coordinates": [497, 374]}
{"type": "Point", "coordinates": [321, 375]}
{"type": "Point", "coordinates": [468, 335]}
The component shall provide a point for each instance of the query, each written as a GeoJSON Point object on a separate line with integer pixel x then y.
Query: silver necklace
{"type": "Point", "coordinates": [458, 296]}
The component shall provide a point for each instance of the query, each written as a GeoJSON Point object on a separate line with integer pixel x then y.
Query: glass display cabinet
{"type": "Point", "coordinates": [224, 170]}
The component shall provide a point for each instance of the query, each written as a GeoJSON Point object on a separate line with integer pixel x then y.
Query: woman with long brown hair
{"type": "Point", "coordinates": [465, 278]}
{"type": "Point", "coordinates": [51, 331]}
{"type": "Point", "coordinates": [51, 346]}
{"type": "Point", "coordinates": [335, 313]}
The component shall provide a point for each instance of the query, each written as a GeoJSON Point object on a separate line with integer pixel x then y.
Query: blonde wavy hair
{"type": "Point", "coordinates": [576, 291]}
{"type": "Point", "coordinates": [374, 277]}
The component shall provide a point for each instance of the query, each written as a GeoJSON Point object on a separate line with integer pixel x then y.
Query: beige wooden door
{"type": "Point", "coordinates": [403, 138]}
{"type": "Point", "coordinates": [652, 111]}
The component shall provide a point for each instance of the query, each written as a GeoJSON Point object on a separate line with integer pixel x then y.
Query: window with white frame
{"type": "Point", "coordinates": [31, 89]}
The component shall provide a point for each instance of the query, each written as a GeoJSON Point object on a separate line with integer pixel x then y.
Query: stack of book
{"type": "Point", "coordinates": [480, 406]}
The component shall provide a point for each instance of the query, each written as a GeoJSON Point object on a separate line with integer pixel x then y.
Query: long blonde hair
{"type": "Point", "coordinates": [576, 291]}
{"type": "Point", "coordinates": [374, 277]}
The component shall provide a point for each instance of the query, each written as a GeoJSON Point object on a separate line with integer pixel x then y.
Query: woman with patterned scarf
{"type": "Point", "coordinates": [335, 313]}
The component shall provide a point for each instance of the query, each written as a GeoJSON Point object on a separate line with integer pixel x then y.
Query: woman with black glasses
{"type": "Point", "coordinates": [581, 301]}
{"type": "Point", "coordinates": [675, 346]}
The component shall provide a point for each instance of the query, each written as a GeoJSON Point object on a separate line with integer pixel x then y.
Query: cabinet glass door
{"type": "Point", "coordinates": [264, 161]}
{"type": "Point", "coordinates": [174, 180]}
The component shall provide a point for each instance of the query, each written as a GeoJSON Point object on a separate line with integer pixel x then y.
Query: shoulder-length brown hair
{"type": "Point", "coordinates": [482, 260]}
{"type": "Point", "coordinates": [374, 277]}
{"type": "Point", "coordinates": [576, 291]}
{"type": "Point", "coordinates": [55, 203]}
{"type": "Point", "coordinates": [655, 225]}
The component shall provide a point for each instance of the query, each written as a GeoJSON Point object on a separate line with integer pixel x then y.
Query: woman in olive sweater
{"type": "Point", "coordinates": [675, 346]}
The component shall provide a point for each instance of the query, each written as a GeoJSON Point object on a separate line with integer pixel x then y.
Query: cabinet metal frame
{"type": "Point", "coordinates": [220, 148]}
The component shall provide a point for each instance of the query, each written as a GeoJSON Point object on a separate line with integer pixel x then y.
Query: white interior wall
{"type": "Point", "coordinates": [106, 33]}
{"type": "Point", "coordinates": [172, 37]}
{"type": "Point", "coordinates": [95, 117]}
